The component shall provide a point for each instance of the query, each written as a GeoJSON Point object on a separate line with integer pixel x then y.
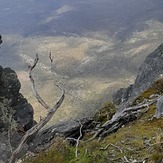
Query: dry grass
{"type": "Point", "coordinates": [138, 140]}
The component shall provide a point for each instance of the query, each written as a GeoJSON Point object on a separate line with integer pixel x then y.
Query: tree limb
{"type": "Point", "coordinates": [122, 117]}
{"type": "Point", "coordinates": [105, 148]}
{"type": "Point", "coordinates": [51, 59]}
{"type": "Point", "coordinates": [37, 96]}
{"type": "Point", "coordinates": [45, 120]}
{"type": "Point", "coordinates": [77, 140]}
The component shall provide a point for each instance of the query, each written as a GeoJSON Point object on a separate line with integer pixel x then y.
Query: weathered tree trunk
{"type": "Point", "coordinates": [67, 129]}
{"type": "Point", "coordinates": [159, 108]}
{"type": "Point", "coordinates": [122, 117]}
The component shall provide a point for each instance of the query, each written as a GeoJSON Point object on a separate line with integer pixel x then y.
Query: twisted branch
{"type": "Point", "coordinates": [45, 120]}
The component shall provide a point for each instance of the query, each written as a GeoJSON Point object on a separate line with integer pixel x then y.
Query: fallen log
{"type": "Point", "coordinates": [122, 117]}
{"type": "Point", "coordinates": [69, 129]}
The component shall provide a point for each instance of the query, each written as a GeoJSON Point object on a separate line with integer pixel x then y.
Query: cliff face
{"type": "Point", "coordinates": [150, 71]}
{"type": "Point", "coordinates": [14, 109]}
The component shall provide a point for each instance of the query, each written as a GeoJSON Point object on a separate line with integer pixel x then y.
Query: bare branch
{"type": "Point", "coordinates": [51, 60]}
{"type": "Point", "coordinates": [122, 117]}
{"type": "Point", "coordinates": [125, 159]}
{"type": "Point", "coordinates": [77, 140]}
{"type": "Point", "coordinates": [105, 148]}
{"type": "Point", "coordinates": [34, 63]}
{"type": "Point", "coordinates": [37, 96]}
{"type": "Point", "coordinates": [71, 139]}
{"type": "Point", "coordinates": [159, 143]}
{"type": "Point", "coordinates": [50, 57]}
{"type": "Point", "coordinates": [45, 120]}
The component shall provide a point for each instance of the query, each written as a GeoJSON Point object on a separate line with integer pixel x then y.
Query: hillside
{"type": "Point", "coordinates": [97, 47]}
{"type": "Point", "coordinates": [138, 141]}
{"type": "Point", "coordinates": [129, 132]}
{"type": "Point", "coordinates": [97, 81]}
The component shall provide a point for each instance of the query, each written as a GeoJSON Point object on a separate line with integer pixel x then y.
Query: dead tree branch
{"type": "Point", "coordinates": [51, 59]}
{"type": "Point", "coordinates": [44, 121]}
{"type": "Point", "coordinates": [122, 117]}
{"type": "Point", "coordinates": [37, 96]}
{"type": "Point", "coordinates": [78, 139]}
{"type": "Point", "coordinates": [125, 159]}
{"type": "Point", "coordinates": [105, 148]}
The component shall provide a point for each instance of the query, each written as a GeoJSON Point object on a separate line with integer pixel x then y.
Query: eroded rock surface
{"type": "Point", "coordinates": [68, 129]}
{"type": "Point", "coordinates": [15, 110]}
{"type": "Point", "coordinates": [150, 71]}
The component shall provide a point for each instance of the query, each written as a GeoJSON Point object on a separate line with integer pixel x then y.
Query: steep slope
{"type": "Point", "coordinates": [125, 135]}
{"type": "Point", "coordinates": [138, 141]}
{"type": "Point", "coordinates": [132, 134]}
{"type": "Point", "coordinates": [150, 71]}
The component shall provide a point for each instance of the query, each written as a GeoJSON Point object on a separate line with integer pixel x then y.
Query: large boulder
{"type": "Point", "coordinates": [68, 129]}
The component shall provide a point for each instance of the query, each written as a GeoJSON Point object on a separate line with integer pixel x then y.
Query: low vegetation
{"type": "Point", "coordinates": [137, 141]}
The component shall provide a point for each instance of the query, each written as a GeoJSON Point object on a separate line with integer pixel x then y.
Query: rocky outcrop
{"type": "Point", "coordinates": [150, 71]}
{"type": "Point", "coordinates": [16, 114]}
{"type": "Point", "coordinates": [68, 129]}
{"type": "Point", "coordinates": [16, 117]}
{"type": "Point", "coordinates": [14, 106]}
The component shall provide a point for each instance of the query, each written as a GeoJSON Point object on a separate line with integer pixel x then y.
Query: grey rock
{"type": "Point", "coordinates": [159, 108]}
{"type": "Point", "coordinates": [12, 106]}
{"type": "Point", "coordinates": [122, 95]}
{"type": "Point", "coordinates": [21, 111]}
{"type": "Point", "coordinates": [149, 72]}
{"type": "Point", "coordinates": [68, 129]}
